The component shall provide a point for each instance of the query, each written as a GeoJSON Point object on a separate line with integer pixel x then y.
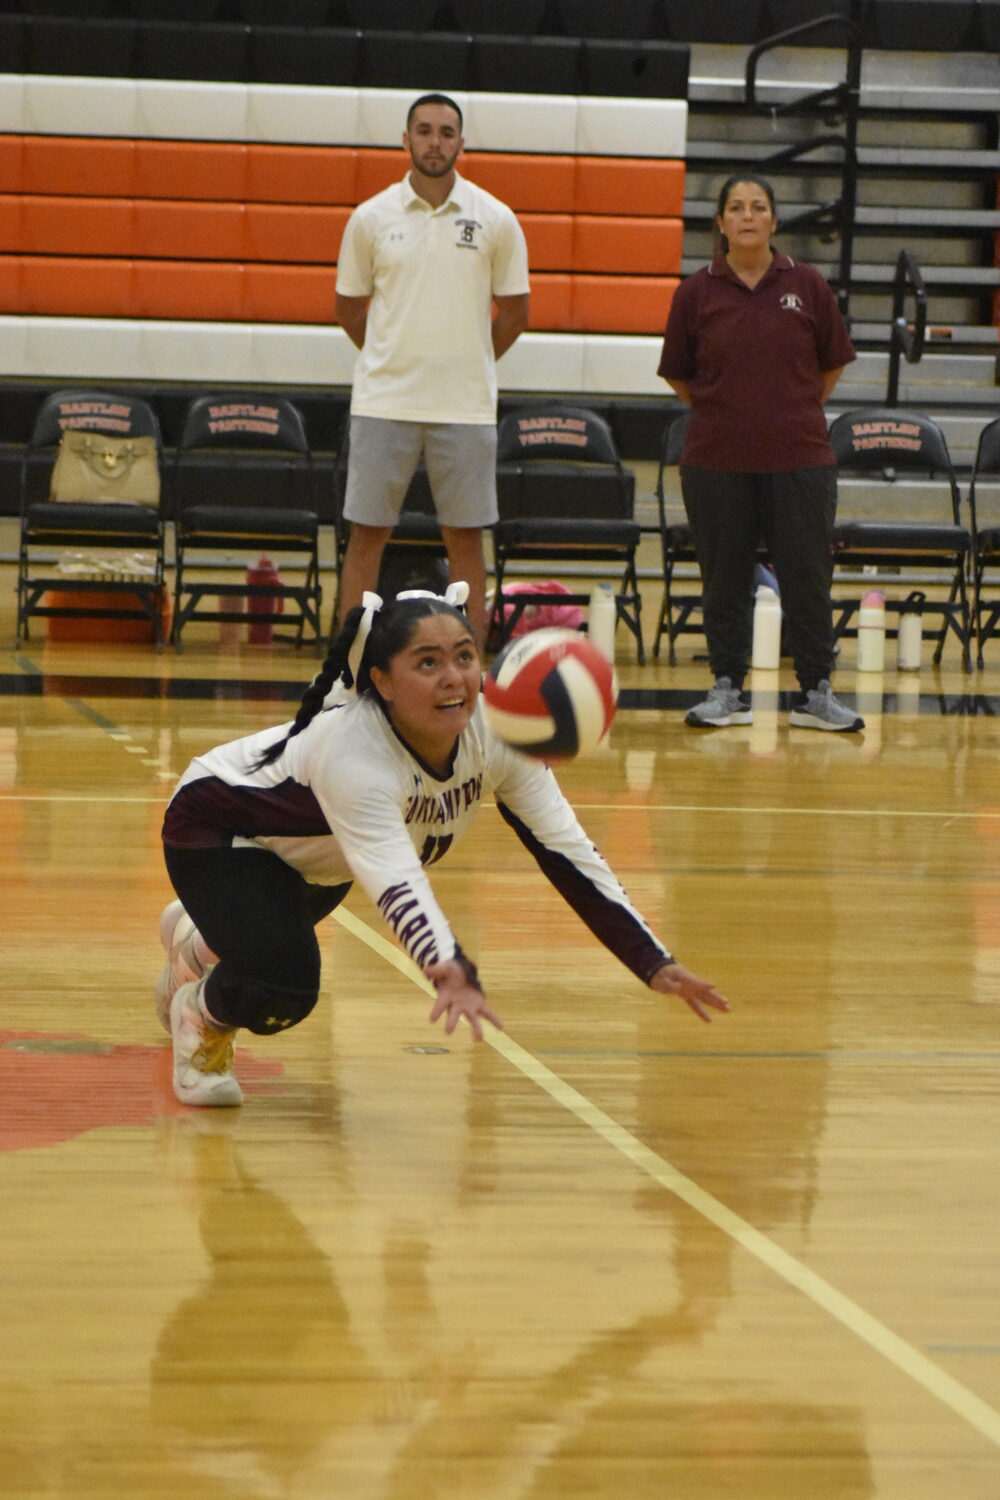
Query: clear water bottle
{"type": "Point", "coordinates": [871, 632]}
{"type": "Point", "coordinates": [602, 617]}
{"type": "Point", "coordinates": [910, 637]}
{"type": "Point", "coordinates": [766, 653]}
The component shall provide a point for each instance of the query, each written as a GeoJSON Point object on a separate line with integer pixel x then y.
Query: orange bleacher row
{"type": "Point", "coordinates": [178, 229]}
{"type": "Point", "coordinates": [105, 287]}
{"type": "Point", "coordinates": [91, 166]}
{"type": "Point", "coordinates": [302, 233]}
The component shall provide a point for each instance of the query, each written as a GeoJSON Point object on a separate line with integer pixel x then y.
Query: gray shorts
{"type": "Point", "coordinates": [460, 458]}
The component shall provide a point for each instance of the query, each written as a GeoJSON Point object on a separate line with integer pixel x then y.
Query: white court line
{"type": "Point", "coordinates": [71, 797]}
{"type": "Point", "coordinates": [583, 807]}
{"type": "Point", "coordinates": [951, 1393]}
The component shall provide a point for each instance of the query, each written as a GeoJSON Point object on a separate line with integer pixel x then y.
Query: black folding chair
{"type": "Point", "coordinates": [911, 528]}
{"type": "Point", "coordinates": [676, 543]}
{"type": "Point", "coordinates": [563, 495]}
{"type": "Point", "coordinates": [984, 505]}
{"type": "Point", "coordinates": [118, 574]}
{"type": "Point", "coordinates": [243, 483]}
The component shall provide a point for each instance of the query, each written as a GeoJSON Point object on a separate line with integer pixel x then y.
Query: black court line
{"type": "Point", "coordinates": [31, 683]}
{"type": "Point", "coordinates": [53, 685]}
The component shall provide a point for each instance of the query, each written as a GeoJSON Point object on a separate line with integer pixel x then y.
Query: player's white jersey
{"type": "Point", "coordinates": [347, 799]}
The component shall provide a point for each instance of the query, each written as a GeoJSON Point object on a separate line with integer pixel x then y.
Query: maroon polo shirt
{"type": "Point", "coordinates": [754, 360]}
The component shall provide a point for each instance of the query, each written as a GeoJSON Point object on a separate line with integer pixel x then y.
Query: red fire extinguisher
{"type": "Point", "coordinates": [261, 633]}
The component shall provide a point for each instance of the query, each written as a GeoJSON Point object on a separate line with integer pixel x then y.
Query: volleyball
{"type": "Point", "coordinates": [551, 694]}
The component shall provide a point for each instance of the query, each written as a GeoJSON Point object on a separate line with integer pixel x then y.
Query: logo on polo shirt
{"type": "Point", "coordinates": [792, 301]}
{"type": "Point", "coordinates": [468, 228]}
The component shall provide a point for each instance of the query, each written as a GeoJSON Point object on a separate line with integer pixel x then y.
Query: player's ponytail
{"type": "Point", "coordinates": [335, 668]}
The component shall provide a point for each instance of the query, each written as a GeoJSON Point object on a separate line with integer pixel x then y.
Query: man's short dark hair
{"type": "Point", "coordinates": [433, 99]}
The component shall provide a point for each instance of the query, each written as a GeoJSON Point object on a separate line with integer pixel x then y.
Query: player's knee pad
{"type": "Point", "coordinates": [259, 1007]}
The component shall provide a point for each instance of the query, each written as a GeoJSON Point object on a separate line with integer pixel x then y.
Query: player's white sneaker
{"type": "Point", "coordinates": [187, 957]}
{"type": "Point", "coordinates": [203, 1053]}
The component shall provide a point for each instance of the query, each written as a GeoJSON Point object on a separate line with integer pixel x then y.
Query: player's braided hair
{"type": "Point", "coordinates": [390, 631]}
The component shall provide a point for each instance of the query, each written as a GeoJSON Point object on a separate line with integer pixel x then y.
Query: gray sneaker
{"type": "Point", "coordinates": [821, 710]}
{"type": "Point", "coordinates": [724, 705]}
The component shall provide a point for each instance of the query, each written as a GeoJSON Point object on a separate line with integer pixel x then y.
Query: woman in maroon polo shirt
{"type": "Point", "coordinates": [755, 344]}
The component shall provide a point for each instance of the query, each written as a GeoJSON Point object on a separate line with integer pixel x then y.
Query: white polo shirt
{"type": "Point", "coordinates": [431, 275]}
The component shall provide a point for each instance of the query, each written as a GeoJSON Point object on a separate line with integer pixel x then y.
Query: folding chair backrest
{"type": "Point", "coordinates": [984, 485]}
{"type": "Point", "coordinates": [988, 449]}
{"type": "Point", "coordinates": [671, 448]}
{"type": "Point", "coordinates": [99, 412]}
{"type": "Point", "coordinates": [93, 411]}
{"type": "Point", "coordinates": [241, 421]}
{"type": "Point", "coordinates": [238, 450]}
{"type": "Point", "coordinates": [887, 440]}
{"type": "Point", "coordinates": [568, 433]}
{"type": "Point", "coordinates": [673, 440]}
{"type": "Point", "coordinates": [561, 460]}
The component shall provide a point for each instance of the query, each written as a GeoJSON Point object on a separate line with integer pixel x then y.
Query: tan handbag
{"type": "Point", "coordinates": [91, 466]}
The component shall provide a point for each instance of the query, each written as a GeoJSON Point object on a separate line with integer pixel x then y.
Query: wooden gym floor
{"type": "Point", "coordinates": [611, 1252]}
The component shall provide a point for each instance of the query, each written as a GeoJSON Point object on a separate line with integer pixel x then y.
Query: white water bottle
{"type": "Point", "coordinates": [871, 632]}
{"type": "Point", "coordinates": [910, 637]}
{"type": "Point", "coordinates": [602, 617]}
{"type": "Point", "coordinates": [766, 652]}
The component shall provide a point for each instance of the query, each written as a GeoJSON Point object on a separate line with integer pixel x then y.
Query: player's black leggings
{"type": "Point", "coordinates": [257, 914]}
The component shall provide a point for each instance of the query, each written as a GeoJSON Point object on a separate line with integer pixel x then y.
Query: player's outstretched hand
{"type": "Point", "coordinates": [702, 996]}
{"type": "Point", "coordinates": [456, 998]}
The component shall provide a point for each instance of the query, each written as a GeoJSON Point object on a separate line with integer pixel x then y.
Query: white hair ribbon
{"type": "Point", "coordinates": [455, 594]}
{"type": "Point", "coordinates": [372, 604]}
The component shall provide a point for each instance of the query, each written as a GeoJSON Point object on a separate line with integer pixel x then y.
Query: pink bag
{"type": "Point", "coordinates": [538, 616]}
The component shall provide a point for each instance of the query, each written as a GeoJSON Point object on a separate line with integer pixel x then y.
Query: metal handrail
{"type": "Point", "coordinates": [905, 338]}
{"type": "Point", "coordinates": [845, 99]}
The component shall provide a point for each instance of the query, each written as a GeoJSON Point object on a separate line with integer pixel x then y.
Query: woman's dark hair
{"type": "Point", "coordinates": [722, 243]}
{"type": "Point", "coordinates": [391, 632]}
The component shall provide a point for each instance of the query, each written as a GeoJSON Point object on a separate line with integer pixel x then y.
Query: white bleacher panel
{"type": "Point", "coordinates": [522, 122]}
{"type": "Point", "coordinates": [302, 354]}
{"type": "Point", "coordinates": [166, 110]}
{"type": "Point", "coordinates": [197, 352]}
{"type": "Point", "coordinates": [12, 102]}
{"type": "Point", "coordinates": [83, 348]}
{"type": "Point", "coordinates": [382, 114]}
{"type": "Point", "coordinates": [14, 346]}
{"type": "Point", "coordinates": [543, 362]}
{"type": "Point", "coordinates": [631, 127]}
{"type": "Point", "coordinates": [290, 114]}
{"type": "Point", "coordinates": [621, 365]}
{"type": "Point", "coordinates": [78, 106]}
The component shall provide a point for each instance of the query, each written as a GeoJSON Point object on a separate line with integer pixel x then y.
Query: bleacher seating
{"type": "Point", "coordinates": [249, 232]}
{"type": "Point", "coordinates": [179, 206]}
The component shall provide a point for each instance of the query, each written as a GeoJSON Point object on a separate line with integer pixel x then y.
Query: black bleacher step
{"type": "Point", "coordinates": [883, 160]}
{"type": "Point", "coordinates": [918, 100]}
{"type": "Point", "coordinates": [879, 218]}
{"type": "Point", "coordinates": [939, 335]}
{"type": "Point", "coordinates": [883, 274]}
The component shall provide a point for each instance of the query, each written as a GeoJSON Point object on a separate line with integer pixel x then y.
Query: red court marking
{"type": "Point", "coordinates": [55, 1086]}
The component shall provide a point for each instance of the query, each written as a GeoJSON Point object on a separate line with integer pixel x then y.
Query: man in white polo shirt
{"type": "Point", "coordinates": [420, 268]}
